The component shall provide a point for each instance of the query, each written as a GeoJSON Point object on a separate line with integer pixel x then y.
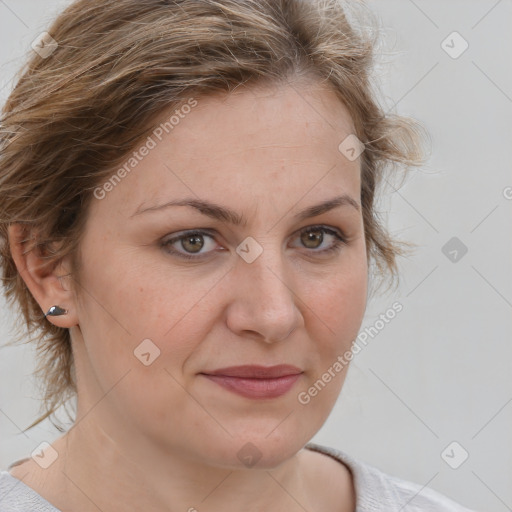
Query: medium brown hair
{"type": "Point", "coordinates": [75, 114]}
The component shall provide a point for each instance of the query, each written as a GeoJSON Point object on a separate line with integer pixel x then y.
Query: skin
{"type": "Point", "coordinates": [163, 436]}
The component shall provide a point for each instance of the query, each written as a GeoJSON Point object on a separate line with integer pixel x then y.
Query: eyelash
{"type": "Point", "coordinates": [338, 243]}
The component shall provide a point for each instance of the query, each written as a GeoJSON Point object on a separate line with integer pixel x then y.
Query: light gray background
{"type": "Point", "coordinates": [440, 371]}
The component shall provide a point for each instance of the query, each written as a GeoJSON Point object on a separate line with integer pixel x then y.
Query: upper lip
{"type": "Point", "coordinates": [257, 372]}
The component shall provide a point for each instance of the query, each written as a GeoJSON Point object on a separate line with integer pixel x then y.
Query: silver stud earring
{"type": "Point", "coordinates": [56, 311]}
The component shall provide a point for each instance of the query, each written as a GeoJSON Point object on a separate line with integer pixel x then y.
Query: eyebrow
{"type": "Point", "coordinates": [224, 214]}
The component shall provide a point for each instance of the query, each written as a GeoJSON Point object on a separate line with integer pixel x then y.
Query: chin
{"type": "Point", "coordinates": [252, 451]}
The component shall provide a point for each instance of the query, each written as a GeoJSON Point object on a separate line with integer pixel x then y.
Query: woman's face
{"type": "Point", "coordinates": [250, 287]}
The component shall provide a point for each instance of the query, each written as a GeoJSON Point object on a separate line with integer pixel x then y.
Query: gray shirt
{"type": "Point", "coordinates": [375, 491]}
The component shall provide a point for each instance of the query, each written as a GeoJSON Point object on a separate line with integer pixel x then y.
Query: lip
{"type": "Point", "coordinates": [256, 372]}
{"type": "Point", "coordinates": [256, 382]}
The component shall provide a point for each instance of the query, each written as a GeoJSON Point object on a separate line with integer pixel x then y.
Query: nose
{"type": "Point", "coordinates": [264, 303]}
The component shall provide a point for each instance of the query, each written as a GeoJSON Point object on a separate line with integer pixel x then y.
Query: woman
{"type": "Point", "coordinates": [194, 257]}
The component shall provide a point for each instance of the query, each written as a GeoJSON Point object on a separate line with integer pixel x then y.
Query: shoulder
{"type": "Point", "coordinates": [15, 496]}
{"type": "Point", "coordinates": [378, 491]}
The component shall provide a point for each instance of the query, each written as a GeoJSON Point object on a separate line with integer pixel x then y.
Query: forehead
{"type": "Point", "coordinates": [270, 114]}
{"type": "Point", "coordinates": [254, 141]}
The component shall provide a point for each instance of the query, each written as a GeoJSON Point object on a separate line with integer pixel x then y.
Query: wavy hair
{"type": "Point", "coordinates": [114, 66]}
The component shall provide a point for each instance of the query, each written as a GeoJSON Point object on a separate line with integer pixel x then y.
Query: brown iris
{"type": "Point", "coordinates": [309, 238]}
{"type": "Point", "coordinates": [193, 243]}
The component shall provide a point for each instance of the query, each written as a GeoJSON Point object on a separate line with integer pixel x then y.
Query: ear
{"type": "Point", "coordinates": [47, 281]}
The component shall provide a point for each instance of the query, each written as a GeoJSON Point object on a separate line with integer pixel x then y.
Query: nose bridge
{"type": "Point", "coordinates": [270, 284]}
{"type": "Point", "coordinates": [265, 301]}
{"type": "Point", "coordinates": [267, 274]}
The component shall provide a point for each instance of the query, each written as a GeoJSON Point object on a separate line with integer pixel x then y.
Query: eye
{"type": "Point", "coordinates": [314, 236]}
{"type": "Point", "coordinates": [190, 244]}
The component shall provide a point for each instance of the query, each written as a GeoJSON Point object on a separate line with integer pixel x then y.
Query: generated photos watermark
{"type": "Point", "coordinates": [144, 150]}
{"type": "Point", "coordinates": [304, 397]}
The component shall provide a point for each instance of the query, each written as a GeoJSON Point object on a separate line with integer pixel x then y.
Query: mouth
{"type": "Point", "coordinates": [256, 382]}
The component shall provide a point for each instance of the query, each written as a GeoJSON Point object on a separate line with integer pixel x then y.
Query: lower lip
{"type": "Point", "coordinates": [256, 388]}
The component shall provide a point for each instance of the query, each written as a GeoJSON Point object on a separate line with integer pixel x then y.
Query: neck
{"type": "Point", "coordinates": [100, 470]}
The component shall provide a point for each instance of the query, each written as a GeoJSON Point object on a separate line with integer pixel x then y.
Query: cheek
{"type": "Point", "coordinates": [340, 302]}
{"type": "Point", "coordinates": [129, 303]}
{"type": "Point", "coordinates": [128, 293]}
{"type": "Point", "coordinates": [339, 306]}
